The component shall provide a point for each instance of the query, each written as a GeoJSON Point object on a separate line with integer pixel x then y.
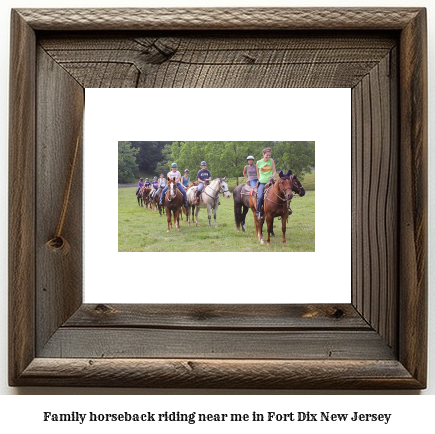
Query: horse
{"type": "Point", "coordinates": [173, 203]}
{"type": "Point", "coordinates": [155, 204]}
{"type": "Point", "coordinates": [152, 200]}
{"type": "Point", "coordinates": [142, 196]}
{"type": "Point", "coordinates": [209, 199]}
{"type": "Point", "coordinates": [241, 205]}
{"type": "Point", "coordinates": [139, 196]}
{"type": "Point", "coordinates": [276, 203]}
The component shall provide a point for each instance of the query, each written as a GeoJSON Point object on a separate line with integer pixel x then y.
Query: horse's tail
{"type": "Point", "coordinates": [238, 216]}
{"type": "Point", "coordinates": [237, 209]}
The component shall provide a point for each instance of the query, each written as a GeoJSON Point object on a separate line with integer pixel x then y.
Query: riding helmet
{"type": "Point", "coordinates": [141, 179]}
{"type": "Point", "coordinates": [186, 171]}
{"type": "Point", "coordinates": [203, 163]}
{"type": "Point", "coordinates": [174, 165]}
{"type": "Point", "coordinates": [250, 158]}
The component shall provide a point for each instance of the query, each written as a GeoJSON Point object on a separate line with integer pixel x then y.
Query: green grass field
{"type": "Point", "coordinates": [141, 230]}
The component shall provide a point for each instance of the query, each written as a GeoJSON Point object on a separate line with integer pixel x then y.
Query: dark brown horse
{"type": "Point", "coordinates": [173, 204]}
{"type": "Point", "coordinates": [276, 203]}
{"type": "Point", "coordinates": [241, 204]}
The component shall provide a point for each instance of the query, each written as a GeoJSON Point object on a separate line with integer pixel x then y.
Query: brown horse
{"type": "Point", "coordinates": [155, 204]}
{"type": "Point", "coordinates": [173, 203]}
{"type": "Point", "coordinates": [143, 195]}
{"type": "Point", "coordinates": [152, 200]}
{"type": "Point", "coordinates": [276, 203]}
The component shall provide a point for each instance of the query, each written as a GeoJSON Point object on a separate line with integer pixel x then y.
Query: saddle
{"type": "Point", "coordinates": [253, 191]}
{"type": "Point", "coordinates": [197, 200]}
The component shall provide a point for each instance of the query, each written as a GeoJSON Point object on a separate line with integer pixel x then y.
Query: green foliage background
{"type": "Point", "coordinates": [223, 158]}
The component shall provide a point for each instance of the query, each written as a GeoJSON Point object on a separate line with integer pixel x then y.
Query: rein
{"type": "Point", "coordinates": [215, 198]}
{"type": "Point", "coordinates": [285, 202]}
{"type": "Point", "coordinates": [176, 192]}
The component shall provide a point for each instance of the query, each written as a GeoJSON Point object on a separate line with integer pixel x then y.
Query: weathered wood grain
{"type": "Point", "coordinates": [413, 199]}
{"type": "Point", "coordinates": [281, 317]}
{"type": "Point", "coordinates": [229, 374]}
{"type": "Point", "coordinates": [21, 195]}
{"type": "Point", "coordinates": [236, 60]}
{"type": "Point", "coordinates": [376, 198]}
{"type": "Point", "coordinates": [126, 342]}
{"type": "Point", "coordinates": [220, 18]}
{"type": "Point", "coordinates": [60, 105]}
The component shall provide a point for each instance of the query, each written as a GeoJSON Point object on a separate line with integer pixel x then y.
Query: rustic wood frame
{"type": "Point", "coordinates": [377, 341]}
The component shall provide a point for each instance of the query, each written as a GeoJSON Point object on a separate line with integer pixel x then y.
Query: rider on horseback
{"type": "Point", "coordinates": [147, 183]}
{"type": "Point", "coordinates": [174, 174]}
{"type": "Point", "coordinates": [250, 172]}
{"type": "Point", "coordinates": [204, 178]}
{"type": "Point", "coordinates": [139, 185]}
{"type": "Point", "coordinates": [162, 183]}
{"type": "Point", "coordinates": [186, 179]}
{"type": "Point", "coordinates": [265, 172]}
{"type": "Point", "coordinates": [155, 185]}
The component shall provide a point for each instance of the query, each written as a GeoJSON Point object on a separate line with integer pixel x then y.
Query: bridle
{"type": "Point", "coordinates": [221, 190]}
{"type": "Point", "coordinates": [295, 184]}
{"type": "Point", "coordinates": [284, 201]}
{"type": "Point", "coordinates": [172, 185]}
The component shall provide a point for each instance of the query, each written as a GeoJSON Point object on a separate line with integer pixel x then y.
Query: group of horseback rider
{"type": "Point", "coordinates": [258, 175]}
{"type": "Point", "coordinates": [183, 182]}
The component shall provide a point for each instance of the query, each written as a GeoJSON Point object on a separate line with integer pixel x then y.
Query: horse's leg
{"type": "Point", "coordinates": [243, 217]}
{"type": "Point", "coordinates": [196, 215]}
{"type": "Point", "coordinates": [260, 231]}
{"type": "Point", "coordinates": [269, 221]}
{"type": "Point", "coordinates": [177, 218]}
{"type": "Point", "coordinates": [209, 214]}
{"type": "Point", "coordinates": [168, 219]}
{"type": "Point", "coordinates": [215, 211]}
{"type": "Point", "coordinates": [257, 227]}
{"type": "Point", "coordinates": [284, 223]}
{"type": "Point", "coordinates": [188, 215]}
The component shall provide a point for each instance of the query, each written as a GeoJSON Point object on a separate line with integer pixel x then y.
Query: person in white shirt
{"type": "Point", "coordinates": [174, 174]}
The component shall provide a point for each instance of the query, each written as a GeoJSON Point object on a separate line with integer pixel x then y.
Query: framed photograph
{"type": "Point", "coordinates": [135, 248]}
{"type": "Point", "coordinates": [375, 341]}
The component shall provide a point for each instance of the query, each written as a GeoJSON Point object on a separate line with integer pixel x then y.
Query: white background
{"type": "Point", "coordinates": [321, 115]}
{"type": "Point", "coordinates": [413, 413]}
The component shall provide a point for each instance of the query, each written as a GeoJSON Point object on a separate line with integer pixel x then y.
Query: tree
{"type": "Point", "coordinates": [150, 154]}
{"type": "Point", "coordinates": [297, 156]}
{"type": "Point", "coordinates": [164, 165]}
{"type": "Point", "coordinates": [229, 158]}
{"type": "Point", "coordinates": [127, 164]}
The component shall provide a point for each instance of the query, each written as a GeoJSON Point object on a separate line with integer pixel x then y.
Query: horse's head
{"type": "Point", "coordinates": [172, 188]}
{"type": "Point", "coordinates": [223, 187]}
{"type": "Point", "coordinates": [297, 186]}
{"type": "Point", "coordinates": [284, 185]}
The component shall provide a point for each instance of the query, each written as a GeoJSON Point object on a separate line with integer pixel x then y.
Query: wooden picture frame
{"type": "Point", "coordinates": [376, 342]}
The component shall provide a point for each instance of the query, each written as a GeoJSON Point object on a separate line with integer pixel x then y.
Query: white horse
{"type": "Point", "coordinates": [209, 199]}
